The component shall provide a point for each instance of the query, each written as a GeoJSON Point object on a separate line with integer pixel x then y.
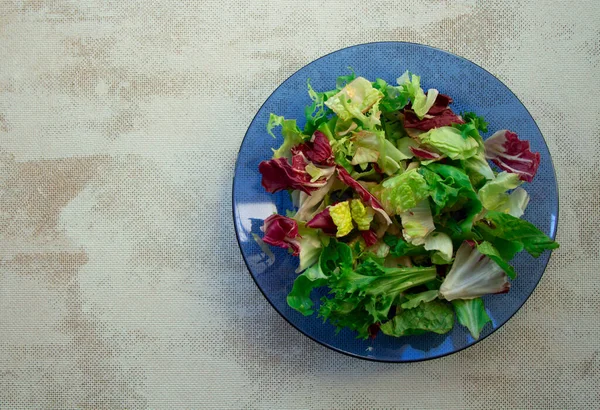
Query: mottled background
{"type": "Point", "coordinates": [121, 284]}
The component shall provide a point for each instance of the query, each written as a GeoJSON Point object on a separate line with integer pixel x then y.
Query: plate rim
{"type": "Point", "coordinates": [553, 227]}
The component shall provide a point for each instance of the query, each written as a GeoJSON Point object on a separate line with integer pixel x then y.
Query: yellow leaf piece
{"type": "Point", "coordinates": [362, 215]}
{"type": "Point", "coordinates": [342, 218]}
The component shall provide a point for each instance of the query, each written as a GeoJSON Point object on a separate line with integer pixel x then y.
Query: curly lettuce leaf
{"type": "Point", "coordinates": [478, 121]}
{"type": "Point", "coordinates": [393, 125]}
{"type": "Point", "coordinates": [292, 135]}
{"type": "Point", "coordinates": [443, 191]}
{"type": "Point", "coordinates": [399, 247]}
{"type": "Point", "coordinates": [316, 113]}
{"type": "Point", "coordinates": [347, 312]}
{"type": "Point", "coordinates": [471, 314]}
{"type": "Point", "coordinates": [363, 296]}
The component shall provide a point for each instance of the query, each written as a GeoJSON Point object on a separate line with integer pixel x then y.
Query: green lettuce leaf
{"type": "Point", "coordinates": [363, 156]}
{"type": "Point", "coordinates": [422, 103]}
{"type": "Point", "coordinates": [411, 89]}
{"type": "Point", "coordinates": [299, 298]}
{"type": "Point", "coordinates": [442, 190]}
{"type": "Point", "coordinates": [517, 202]}
{"type": "Point", "coordinates": [471, 314]}
{"type": "Point", "coordinates": [493, 194]}
{"type": "Point", "coordinates": [391, 282]}
{"type": "Point", "coordinates": [416, 299]}
{"type": "Point", "coordinates": [404, 144]}
{"type": "Point", "coordinates": [388, 156]}
{"type": "Point", "coordinates": [442, 245]}
{"type": "Point", "coordinates": [355, 100]}
{"type": "Point", "coordinates": [290, 132]}
{"type": "Point", "coordinates": [393, 99]}
{"type": "Point", "coordinates": [444, 197]}
{"type": "Point", "coordinates": [451, 142]}
{"type": "Point", "coordinates": [417, 223]}
{"type": "Point", "coordinates": [336, 254]}
{"type": "Point", "coordinates": [310, 247]}
{"type": "Point", "coordinates": [477, 166]}
{"type": "Point", "coordinates": [403, 192]}
{"type": "Point", "coordinates": [506, 249]}
{"type": "Point", "coordinates": [491, 252]}
{"type": "Point", "coordinates": [435, 316]}
{"type": "Point", "coordinates": [393, 126]}
{"type": "Point", "coordinates": [399, 247]}
{"type": "Point", "coordinates": [509, 228]}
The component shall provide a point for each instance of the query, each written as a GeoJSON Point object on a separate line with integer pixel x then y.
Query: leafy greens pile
{"type": "Point", "coordinates": [399, 213]}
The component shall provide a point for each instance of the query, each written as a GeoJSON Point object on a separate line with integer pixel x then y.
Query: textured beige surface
{"type": "Point", "coordinates": [121, 285]}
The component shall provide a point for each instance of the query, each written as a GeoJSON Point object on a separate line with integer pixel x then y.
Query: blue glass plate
{"type": "Point", "coordinates": [473, 89]}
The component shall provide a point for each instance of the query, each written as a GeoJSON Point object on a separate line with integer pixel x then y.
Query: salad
{"type": "Point", "coordinates": [399, 216]}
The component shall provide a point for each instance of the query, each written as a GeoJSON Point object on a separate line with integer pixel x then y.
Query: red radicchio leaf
{"type": "Point", "coordinates": [281, 231]}
{"type": "Point", "coordinates": [471, 243]}
{"type": "Point", "coordinates": [373, 330]}
{"type": "Point", "coordinates": [321, 152]}
{"type": "Point", "coordinates": [318, 151]}
{"type": "Point", "coordinates": [278, 174]}
{"type": "Point", "coordinates": [323, 221]}
{"type": "Point", "coordinates": [364, 195]}
{"type": "Point", "coordinates": [441, 103]}
{"type": "Point", "coordinates": [376, 168]}
{"type": "Point", "coordinates": [369, 236]}
{"type": "Point", "coordinates": [422, 153]}
{"type": "Point", "coordinates": [511, 154]}
{"type": "Point", "coordinates": [443, 119]}
{"type": "Point", "coordinates": [439, 115]}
